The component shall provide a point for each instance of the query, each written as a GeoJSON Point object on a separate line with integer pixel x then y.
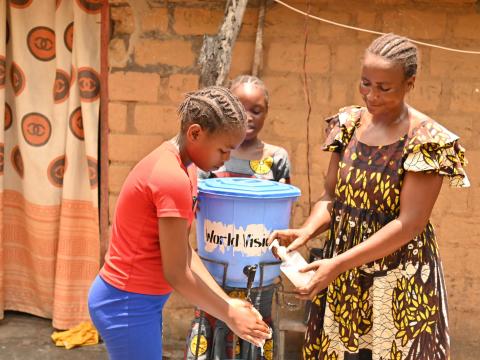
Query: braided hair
{"type": "Point", "coordinates": [398, 49]}
{"type": "Point", "coordinates": [253, 80]}
{"type": "Point", "coordinates": [213, 108]}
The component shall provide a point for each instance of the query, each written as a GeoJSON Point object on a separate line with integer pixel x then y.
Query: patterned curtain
{"type": "Point", "coordinates": [49, 97]}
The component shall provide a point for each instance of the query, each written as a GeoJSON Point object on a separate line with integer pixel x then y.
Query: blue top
{"type": "Point", "coordinates": [247, 188]}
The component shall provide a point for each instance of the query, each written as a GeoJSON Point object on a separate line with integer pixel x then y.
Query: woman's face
{"type": "Point", "coordinates": [383, 85]}
{"type": "Point", "coordinates": [253, 99]}
{"type": "Point", "coordinates": [209, 151]}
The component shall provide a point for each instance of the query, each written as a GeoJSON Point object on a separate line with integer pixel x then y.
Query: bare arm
{"type": "Point", "coordinates": [419, 193]}
{"type": "Point", "coordinates": [319, 219]}
{"type": "Point", "coordinates": [177, 257]}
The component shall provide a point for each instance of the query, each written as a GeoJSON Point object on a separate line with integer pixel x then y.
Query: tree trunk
{"type": "Point", "coordinates": [216, 53]}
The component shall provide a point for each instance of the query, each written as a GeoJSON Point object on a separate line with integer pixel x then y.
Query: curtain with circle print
{"type": "Point", "coordinates": [49, 97]}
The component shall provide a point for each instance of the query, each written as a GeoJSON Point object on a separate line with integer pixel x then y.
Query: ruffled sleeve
{"type": "Point", "coordinates": [340, 128]}
{"type": "Point", "coordinates": [434, 149]}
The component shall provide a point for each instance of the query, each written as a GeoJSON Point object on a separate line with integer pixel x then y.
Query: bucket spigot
{"type": "Point", "coordinates": [250, 271]}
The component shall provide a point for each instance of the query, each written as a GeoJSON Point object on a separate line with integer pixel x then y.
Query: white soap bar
{"type": "Point", "coordinates": [291, 263]}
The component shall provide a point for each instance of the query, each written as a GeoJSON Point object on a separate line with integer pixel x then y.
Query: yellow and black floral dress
{"type": "Point", "coordinates": [394, 308]}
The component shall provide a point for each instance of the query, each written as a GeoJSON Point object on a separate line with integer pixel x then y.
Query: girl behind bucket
{"type": "Point", "coordinates": [149, 253]}
{"type": "Point", "coordinates": [254, 157]}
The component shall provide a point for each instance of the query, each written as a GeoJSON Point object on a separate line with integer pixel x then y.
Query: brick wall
{"type": "Point", "coordinates": [153, 60]}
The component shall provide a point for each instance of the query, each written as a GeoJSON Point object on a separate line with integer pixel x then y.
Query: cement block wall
{"type": "Point", "coordinates": [153, 54]}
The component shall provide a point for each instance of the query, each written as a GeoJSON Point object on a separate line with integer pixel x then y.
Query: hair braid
{"type": "Point", "coordinates": [233, 105]}
{"type": "Point", "coordinates": [397, 49]}
{"type": "Point", "coordinates": [213, 108]}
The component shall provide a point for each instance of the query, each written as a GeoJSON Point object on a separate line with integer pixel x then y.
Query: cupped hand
{"type": "Point", "coordinates": [246, 322]}
{"type": "Point", "coordinates": [326, 270]}
{"type": "Point", "coordinates": [292, 238]}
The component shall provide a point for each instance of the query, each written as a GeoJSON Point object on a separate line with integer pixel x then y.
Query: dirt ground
{"type": "Point", "coordinates": [27, 337]}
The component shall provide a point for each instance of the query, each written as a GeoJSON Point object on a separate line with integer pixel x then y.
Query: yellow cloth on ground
{"type": "Point", "coordinates": [82, 334]}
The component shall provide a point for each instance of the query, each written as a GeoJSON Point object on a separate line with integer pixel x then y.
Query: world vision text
{"type": "Point", "coordinates": [248, 240]}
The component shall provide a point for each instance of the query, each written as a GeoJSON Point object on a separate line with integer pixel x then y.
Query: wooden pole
{"type": "Point", "coordinates": [258, 56]}
{"type": "Point", "coordinates": [103, 128]}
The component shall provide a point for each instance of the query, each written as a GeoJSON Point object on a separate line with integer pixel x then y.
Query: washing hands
{"type": "Point", "coordinates": [247, 322]}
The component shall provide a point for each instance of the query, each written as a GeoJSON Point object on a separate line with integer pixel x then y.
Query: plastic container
{"type": "Point", "coordinates": [234, 221]}
{"type": "Point", "coordinates": [291, 263]}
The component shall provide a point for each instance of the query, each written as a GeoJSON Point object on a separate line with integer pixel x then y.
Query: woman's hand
{"type": "Point", "coordinates": [246, 322]}
{"type": "Point", "coordinates": [293, 238]}
{"type": "Point", "coordinates": [326, 270]}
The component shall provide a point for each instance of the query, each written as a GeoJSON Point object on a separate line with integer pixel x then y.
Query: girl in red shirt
{"type": "Point", "coordinates": [149, 253]}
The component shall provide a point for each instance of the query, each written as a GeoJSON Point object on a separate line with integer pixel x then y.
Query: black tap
{"type": "Point", "coordinates": [250, 271]}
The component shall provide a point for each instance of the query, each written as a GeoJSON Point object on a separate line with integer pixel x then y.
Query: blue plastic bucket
{"type": "Point", "coordinates": [235, 218]}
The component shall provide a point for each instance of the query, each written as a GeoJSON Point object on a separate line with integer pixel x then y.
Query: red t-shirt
{"type": "Point", "coordinates": [158, 186]}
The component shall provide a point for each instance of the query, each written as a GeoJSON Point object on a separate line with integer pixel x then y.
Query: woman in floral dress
{"type": "Point", "coordinates": [380, 292]}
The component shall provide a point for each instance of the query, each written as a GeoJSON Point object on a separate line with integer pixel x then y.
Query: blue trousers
{"type": "Point", "coordinates": [130, 324]}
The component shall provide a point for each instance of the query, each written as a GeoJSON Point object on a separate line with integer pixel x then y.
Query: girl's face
{"type": "Point", "coordinates": [253, 99]}
{"type": "Point", "coordinates": [383, 85]}
{"type": "Point", "coordinates": [209, 151]}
